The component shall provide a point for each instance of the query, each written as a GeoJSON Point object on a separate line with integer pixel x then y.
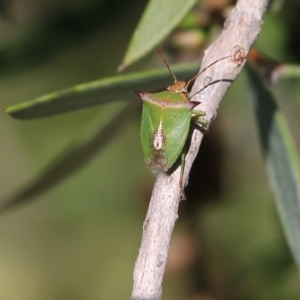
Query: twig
{"type": "Point", "coordinates": [240, 32]}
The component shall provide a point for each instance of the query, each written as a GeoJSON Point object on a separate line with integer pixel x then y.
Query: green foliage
{"type": "Point", "coordinates": [158, 20]}
{"type": "Point", "coordinates": [80, 229]}
{"type": "Point", "coordinates": [98, 92]}
{"type": "Point", "coordinates": [281, 159]}
{"type": "Point", "coordinates": [74, 157]}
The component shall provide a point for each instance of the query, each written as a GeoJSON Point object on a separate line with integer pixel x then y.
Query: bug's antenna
{"type": "Point", "coordinates": [202, 71]}
{"type": "Point", "coordinates": [167, 65]}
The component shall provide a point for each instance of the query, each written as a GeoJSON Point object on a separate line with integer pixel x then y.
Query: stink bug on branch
{"type": "Point", "coordinates": [166, 122]}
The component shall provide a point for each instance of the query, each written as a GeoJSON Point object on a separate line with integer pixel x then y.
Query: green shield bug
{"type": "Point", "coordinates": [166, 122]}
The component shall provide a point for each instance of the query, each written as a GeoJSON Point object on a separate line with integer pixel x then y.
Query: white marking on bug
{"type": "Point", "coordinates": [158, 138]}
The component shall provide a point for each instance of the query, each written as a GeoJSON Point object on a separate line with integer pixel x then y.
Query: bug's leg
{"type": "Point", "coordinates": [183, 197]}
{"type": "Point", "coordinates": [198, 113]}
{"type": "Point", "coordinates": [197, 118]}
{"type": "Point", "coordinates": [201, 121]}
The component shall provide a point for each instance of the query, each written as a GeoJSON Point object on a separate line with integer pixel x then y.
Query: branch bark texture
{"type": "Point", "coordinates": [240, 32]}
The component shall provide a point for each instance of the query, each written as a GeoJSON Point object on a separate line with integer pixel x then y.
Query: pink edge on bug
{"type": "Point", "coordinates": [141, 94]}
{"type": "Point", "coordinates": [194, 103]}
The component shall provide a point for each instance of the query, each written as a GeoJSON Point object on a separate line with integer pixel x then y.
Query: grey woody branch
{"type": "Point", "coordinates": [240, 32]}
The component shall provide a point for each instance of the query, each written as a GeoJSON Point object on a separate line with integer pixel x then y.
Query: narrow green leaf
{"type": "Point", "coordinates": [281, 160]}
{"type": "Point", "coordinates": [99, 92]}
{"type": "Point", "coordinates": [285, 71]}
{"type": "Point", "coordinates": [72, 158]}
{"type": "Point", "coordinates": [158, 20]}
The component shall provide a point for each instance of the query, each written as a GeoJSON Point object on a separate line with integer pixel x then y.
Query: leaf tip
{"type": "Point", "coordinates": [121, 67]}
{"type": "Point", "coordinates": [5, 110]}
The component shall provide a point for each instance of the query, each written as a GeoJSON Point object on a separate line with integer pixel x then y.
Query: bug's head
{"type": "Point", "coordinates": [178, 87]}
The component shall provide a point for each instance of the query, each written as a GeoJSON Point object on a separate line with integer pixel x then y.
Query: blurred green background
{"type": "Point", "coordinates": [81, 239]}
